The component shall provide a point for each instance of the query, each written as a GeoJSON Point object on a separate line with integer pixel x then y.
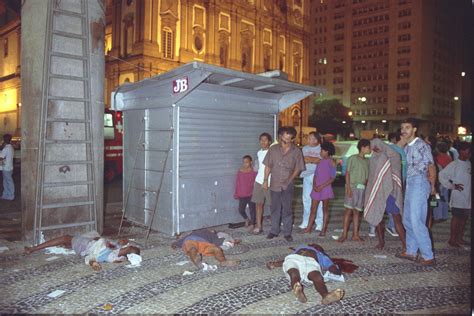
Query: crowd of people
{"type": "Point", "coordinates": [414, 180]}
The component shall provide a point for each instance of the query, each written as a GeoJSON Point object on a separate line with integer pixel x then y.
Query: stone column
{"type": "Point", "coordinates": [62, 81]}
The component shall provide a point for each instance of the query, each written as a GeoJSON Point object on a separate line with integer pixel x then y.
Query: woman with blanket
{"type": "Point", "coordinates": [384, 190]}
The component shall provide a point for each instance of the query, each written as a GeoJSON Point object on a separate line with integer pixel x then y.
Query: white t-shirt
{"type": "Point", "coordinates": [7, 155]}
{"type": "Point", "coordinates": [310, 151]}
{"type": "Point", "coordinates": [459, 172]}
{"type": "Point", "coordinates": [261, 167]}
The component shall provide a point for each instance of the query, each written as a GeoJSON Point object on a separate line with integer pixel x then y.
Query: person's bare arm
{"type": "Point", "coordinates": [292, 176]}
{"type": "Point", "coordinates": [432, 177]}
{"type": "Point", "coordinates": [314, 160]}
{"type": "Point", "coordinates": [266, 174]}
{"type": "Point", "coordinates": [348, 184]}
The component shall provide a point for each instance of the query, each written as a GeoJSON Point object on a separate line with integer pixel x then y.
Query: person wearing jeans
{"type": "Point", "coordinates": [6, 158]}
{"type": "Point", "coordinates": [420, 182]}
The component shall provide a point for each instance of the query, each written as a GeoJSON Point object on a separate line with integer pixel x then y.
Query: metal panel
{"type": "Point", "coordinates": [212, 144]}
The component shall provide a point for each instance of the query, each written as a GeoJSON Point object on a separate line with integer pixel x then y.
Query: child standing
{"type": "Point", "coordinates": [324, 176]}
{"type": "Point", "coordinates": [356, 179]}
{"type": "Point", "coordinates": [243, 189]}
{"type": "Point", "coordinates": [259, 195]}
{"type": "Point", "coordinates": [457, 177]}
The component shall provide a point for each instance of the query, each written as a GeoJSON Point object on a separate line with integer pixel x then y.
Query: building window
{"type": "Point", "coordinates": [403, 62]}
{"type": "Point", "coordinates": [404, 50]}
{"type": "Point", "coordinates": [404, 37]}
{"type": "Point", "coordinates": [405, 12]}
{"type": "Point", "coordinates": [167, 43]}
{"type": "Point", "coordinates": [403, 86]}
{"type": "Point", "coordinates": [5, 47]}
{"type": "Point", "coordinates": [404, 74]}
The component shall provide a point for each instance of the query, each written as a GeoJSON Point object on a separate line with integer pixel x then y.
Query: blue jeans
{"type": "Point", "coordinates": [8, 185]}
{"type": "Point", "coordinates": [441, 211]}
{"type": "Point", "coordinates": [414, 216]}
{"type": "Point", "coordinates": [307, 189]}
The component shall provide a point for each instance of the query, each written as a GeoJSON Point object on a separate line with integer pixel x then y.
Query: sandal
{"type": "Point", "coordinates": [298, 291]}
{"type": "Point", "coordinates": [333, 296]}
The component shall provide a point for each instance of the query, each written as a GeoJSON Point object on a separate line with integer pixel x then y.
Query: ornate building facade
{"type": "Point", "coordinates": [148, 37]}
{"type": "Point", "coordinates": [144, 38]}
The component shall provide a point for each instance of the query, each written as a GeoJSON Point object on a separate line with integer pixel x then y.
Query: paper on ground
{"type": "Point", "coordinates": [338, 230]}
{"type": "Point", "coordinates": [182, 263]}
{"type": "Point", "coordinates": [380, 256]}
{"type": "Point", "coordinates": [328, 276]}
{"type": "Point", "coordinates": [56, 293]}
{"type": "Point", "coordinates": [188, 273]}
{"type": "Point", "coordinates": [335, 237]}
{"type": "Point", "coordinates": [3, 248]}
{"type": "Point", "coordinates": [208, 267]}
{"type": "Point", "coordinates": [59, 251]}
{"type": "Point", "coordinates": [52, 258]}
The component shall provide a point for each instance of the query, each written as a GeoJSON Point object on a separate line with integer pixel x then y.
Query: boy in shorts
{"type": "Point", "coordinates": [259, 195]}
{"type": "Point", "coordinates": [356, 179]}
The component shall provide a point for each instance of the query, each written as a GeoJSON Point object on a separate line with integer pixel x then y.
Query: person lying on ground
{"type": "Point", "coordinates": [208, 243]}
{"type": "Point", "coordinates": [307, 263]}
{"type": "Point", "coordinates": [94, 248]}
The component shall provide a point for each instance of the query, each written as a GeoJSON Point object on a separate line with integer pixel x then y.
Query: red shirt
{"type": "Point", "coordinates": [443, 159]}
{"type": "Point", "coordinates": [244, 184]}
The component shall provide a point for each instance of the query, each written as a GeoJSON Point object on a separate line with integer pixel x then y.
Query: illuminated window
{"type": "Point", "coordinates": [5, 47]}
{"type": "Point", "coordinates": [167, 43]}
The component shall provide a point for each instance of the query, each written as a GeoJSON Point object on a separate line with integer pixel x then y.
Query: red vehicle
{"type": "Point", "coordinates": [113, 145]}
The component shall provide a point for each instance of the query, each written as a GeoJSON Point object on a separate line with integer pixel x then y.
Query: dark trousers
{"type": "Point", "coordinates": [281, 211]}
{"type": "Point", "coordinates": [243, 202]}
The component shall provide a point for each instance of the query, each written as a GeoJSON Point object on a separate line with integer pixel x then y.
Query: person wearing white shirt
{"type": "Point", "coordinates": [457, 177]}
{"type": "Point", "coordinates": [312, 156]}
{"type": "Point", "coordinates": [6, 158]}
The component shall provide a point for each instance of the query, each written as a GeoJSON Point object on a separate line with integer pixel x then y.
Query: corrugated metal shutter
{"type": "Point", "coordinates": [211, 146]}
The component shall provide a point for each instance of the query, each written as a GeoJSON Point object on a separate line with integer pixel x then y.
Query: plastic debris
{"type": "Point", "coordinates": [52, 258]}
{"type": "Point", "coordinates": [328, 276]}
{"type": "Point", "coordinates": [208, 267]}
{"type": "Point", "coordinates": [380, 256]}
{"type": "Point", "coordinates": [188, 273]}
{"type": "Point", "coordinates": [134, 259]}
{"type": "Point", "coordinates": [3, 248]}
{"type": "Point", "coordinates": [59, 251]}
{"type": "Point", "coordinates": [335, 237]}
{"type": "Point", "coordinates": [182, 263]}
{"type": "Point", "coordinates": [338, 230]}
{"type": "Point", "coordinates": [56, 293]}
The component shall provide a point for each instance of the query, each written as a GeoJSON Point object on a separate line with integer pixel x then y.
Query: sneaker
{"type": "Point", "coordinates": [391, 231]}
{"type": "Point", "coordinates": [302, 226]}
{"type": "Point", "coordinates": [319, 228]}
{"type": "Point", "coordinates": [289, 238]}
{"type": "Point", "coordinates": [271, 236]}
{"type": "Point", "coordinates": [372, 234]}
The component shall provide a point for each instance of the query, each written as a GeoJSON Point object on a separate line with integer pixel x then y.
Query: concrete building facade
{"type": "Point", "coordinates": [389, 60]}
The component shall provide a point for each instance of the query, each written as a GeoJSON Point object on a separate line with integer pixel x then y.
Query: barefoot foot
{"type": "Point", "coordinates": [333, 296]}
{"type": "Point", "coordinates": [357, 238]}
{"type": "Point", "coordinates": [341, 239]}
{"type": "Point", "coordinates": [380, 246]}
{"type": "Point", "coordinates": [298, 291]}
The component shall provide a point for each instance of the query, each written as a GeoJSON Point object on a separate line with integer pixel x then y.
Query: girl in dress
{"type": "Point", "coordinates": [324, 176]}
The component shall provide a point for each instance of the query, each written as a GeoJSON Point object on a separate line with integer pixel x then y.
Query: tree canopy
{"type": "Point", "coordinates": [328, 115]}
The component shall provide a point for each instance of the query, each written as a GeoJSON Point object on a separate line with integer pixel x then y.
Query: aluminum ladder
{"type": "Point", "coordinates": [142, 147]}
{"type": "Point", "coordinates": [53, 192]}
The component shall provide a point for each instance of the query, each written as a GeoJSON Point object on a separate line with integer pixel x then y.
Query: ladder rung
{"type": "Point", "coordinates": [67, 162]}
{"type": "Point", "coordinates": [59, 226]}
{"type": "Point", "coordinates": [141, 207]}
{"type": "Point", "coordinates": [64, 55]}
{"type": "Point", "coordinates": [143, 169]}
{"type": "Point", "coordinates": [142, 189]}
{"type": "Point", "coordinates": [51, 97]}
{"type": "Point", "coordinates": [65, 141]}
{"type": "Point", "coordinates": [159, 130]}
{"type": "Point", "coordinates": [70, 204]}
{"type": "Point", "coordinates": [66, 120]}
{"type": "Point", "coordinates": [67, 34]}
{"type": "Point", "coordinates": [61, 184]}
{"type": "Point", "coordinates": [64, 77]}
{"type": "Point", "coordinates": [70, 13]}
{"type": "Point", "coordinates": [156, 150]}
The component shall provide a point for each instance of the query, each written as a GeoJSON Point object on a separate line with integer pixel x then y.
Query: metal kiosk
{"type": "Point", "coordinates": [185, 132]}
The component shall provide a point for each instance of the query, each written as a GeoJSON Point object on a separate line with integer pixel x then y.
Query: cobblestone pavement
{"type": "Point", "coordinates": [382, 284]}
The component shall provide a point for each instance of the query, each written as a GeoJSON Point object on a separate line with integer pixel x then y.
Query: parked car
{"type": "Point", "coordinates": [344, 149]}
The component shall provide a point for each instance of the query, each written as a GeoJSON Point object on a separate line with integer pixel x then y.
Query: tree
{"type": "Point", "coordinates": [328, 117]}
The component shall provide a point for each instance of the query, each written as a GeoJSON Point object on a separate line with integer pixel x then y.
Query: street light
{"type": "Point", "coordinates": [456, 98]}
{"type": "Point", "coordinates": [350, 113]}
{"type": "Point", "coordinates": [463, 74]}
{"type": "Point", "coordinates": [363, 122]}
{"type": "Point", "coordinates": [343, 122]}
{"type": "Point", "coordinates": [384, 121]}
